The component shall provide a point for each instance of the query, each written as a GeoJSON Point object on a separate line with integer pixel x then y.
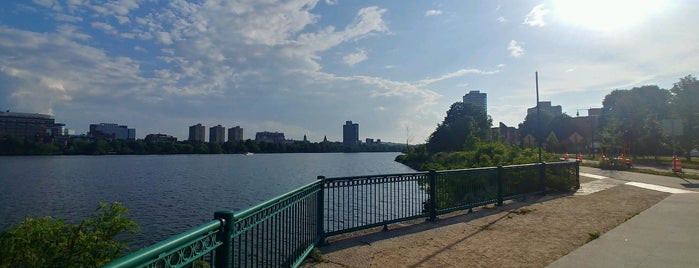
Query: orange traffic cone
{"type": "Point", "coordinates": [580, 157]}
{"type": "Point", "coordinates": [676, 164]}
{"type": "Point", "coordinates": [566, 157]}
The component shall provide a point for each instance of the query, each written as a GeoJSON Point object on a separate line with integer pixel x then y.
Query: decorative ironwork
{"type": "Point", "coordinates": [282, 231]}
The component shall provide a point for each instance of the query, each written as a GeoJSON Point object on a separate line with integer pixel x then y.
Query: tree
{"type": "Point", "coordinates": [685, 97]}
{"type": "Point", "coordinates": [48, 242]}
{"type": "Point", "coordinates": [462, 120]}
{"type": "Point", "coordinates": [630, 118]}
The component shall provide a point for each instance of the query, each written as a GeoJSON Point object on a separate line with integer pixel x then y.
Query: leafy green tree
{"type": "Point", "coordinates": [630, 118]}
{"type": "Point", "coordinates": [552, 143]}
{"type": "Point", "coordinates": [685, 97]}
{"type": "Point", "coordinates": [462, 120]}
{"type": "Point", "coordinates": [48, 242]}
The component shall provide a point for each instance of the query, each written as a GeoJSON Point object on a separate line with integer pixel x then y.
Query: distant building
{"type": "Point", "coordinates": [508, 134]}
{"type": "Point", "coordinates": [305, 139]}
{"type": "Point", "coordinates": [545, 107]}
{"type": "Point", "coordinates": [197, 133]}
{"type": "Point", "coordinates": [37, 127]}
{"type": "Point", "coordinates": [273, 137]}
{"type": "Point", "coordinates": [217, 134]}
{"type": "Point", "coordinates": [160, 138]}
{"type": "Point", "coordinates": [370, 141]}
{"type": "Point", "coordinates": [235, 134]}
{"type": "Point", "coordinates": [478, 99]}
{"type": "Point", "coordinates": [109, 131]}
{"type": "Point", "coordinates": [350, 133]}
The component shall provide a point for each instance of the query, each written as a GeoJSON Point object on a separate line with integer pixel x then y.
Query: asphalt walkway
{"type": "Point", "coordinates": [665, 235]}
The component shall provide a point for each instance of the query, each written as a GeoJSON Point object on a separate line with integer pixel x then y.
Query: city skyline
{"type": "Point", "coordinates": [302, 66]}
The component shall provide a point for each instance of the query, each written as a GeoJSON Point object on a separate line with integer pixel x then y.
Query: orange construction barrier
{"type": "Point", "coordinates": [566, 157]}
{"type": "Point", "coordinates": [676, 164]}
{"type": "Point", "coordinates": [580, 157]}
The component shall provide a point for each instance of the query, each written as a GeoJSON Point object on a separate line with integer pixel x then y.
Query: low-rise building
{"type": "Point", "coordinates": [160, 138]}
{"type": "Point", "coordinates": [273, 137]}
{"type": "Point", "coordinates": [109, 131]}
{"type": "Point", "coordinates": [37, 127]}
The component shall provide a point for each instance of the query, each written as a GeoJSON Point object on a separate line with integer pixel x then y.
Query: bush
{"type": "Point", "coordinates": [48, 242]}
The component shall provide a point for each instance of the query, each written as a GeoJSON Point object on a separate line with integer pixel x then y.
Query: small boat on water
{"type": "Point", "coordinates": [249, 153]}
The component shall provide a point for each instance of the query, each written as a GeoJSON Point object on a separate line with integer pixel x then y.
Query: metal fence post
{"type": "Point", "coordinates": [542, 177]}
{"type": "Point", "coordinates": [320, 213]}
{"type": "Point", "coordinates": [224, 253]}
{"type": "Point", "coordinates": [433, 195]}
{"type": "Point", "coordinates": [501, 185]}
{"type": "Point", "coordinates": [577, 174]}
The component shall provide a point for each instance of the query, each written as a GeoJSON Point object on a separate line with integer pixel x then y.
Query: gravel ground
{"type": "Point", "coordinates": [529, 233]}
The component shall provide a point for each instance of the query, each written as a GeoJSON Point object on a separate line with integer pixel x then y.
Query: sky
{"type": "Point", "coordinates": [304, 67]}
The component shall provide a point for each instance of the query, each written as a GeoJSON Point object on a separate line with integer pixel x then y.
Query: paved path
{"type": "Point", "coordinates": [665, 235]}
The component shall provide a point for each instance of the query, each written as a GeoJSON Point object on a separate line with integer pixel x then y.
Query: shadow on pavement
{"type": "Point", "coordinates": [369, 236]}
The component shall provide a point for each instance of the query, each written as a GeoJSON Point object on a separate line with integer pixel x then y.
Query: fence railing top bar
{"type": "Point", "coordinates": [261, 206]}
{"type": "Point", "coordinates": [572, 163]}
{"type": "Point", "coordinates": [467, 170]}
{"type": "Point", "coordinates": [522, 165]}
{"type": "Point", "coordinates": [377, 176]}
{"type": "Point", "coordinates": [141, 257]}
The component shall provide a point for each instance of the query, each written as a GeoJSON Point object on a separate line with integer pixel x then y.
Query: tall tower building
{"type": "Point", "coordinates": [197, 133]}
{"type": "Point", "coordinates": [235, 134]}
{"type": "Point", "coordinates": [350, 133]}
{"type": "Point", "coordinates": [477, 98]}
{"type": "Point", "coordinates": [217, 134]}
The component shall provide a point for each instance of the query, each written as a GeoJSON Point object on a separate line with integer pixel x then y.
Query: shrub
{"type": "Point", "coordinates": [49, 242]}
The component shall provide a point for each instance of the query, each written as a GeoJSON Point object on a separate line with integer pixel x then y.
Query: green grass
{"type": "Point", "coordinates": [653, 171]}
{"type": "Point", "coordinates": [592, 236]}
{"type": "Point", "coordinates": [666, 161]}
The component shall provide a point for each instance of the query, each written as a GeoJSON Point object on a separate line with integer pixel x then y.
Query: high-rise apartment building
{"type": "Point", "coordinates": [217, 134]}
{"type": "Point", "coordinates": [110, 131]}
{"type": "Point", "coordinates": [350, 133]}
{"type": "Point", "coordinates": [197, 133]}
{"type": "Point", "coordinates": [477, 98]}
{"type": "Point", "coordinates": [235, 134]}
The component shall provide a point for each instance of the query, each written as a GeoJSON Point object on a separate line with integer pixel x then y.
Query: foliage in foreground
{"type": "Point", "coordinates": [48, 242]}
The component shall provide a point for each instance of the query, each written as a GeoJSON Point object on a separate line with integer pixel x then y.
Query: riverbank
{"type": "Point", "coordinates": [533, 233]}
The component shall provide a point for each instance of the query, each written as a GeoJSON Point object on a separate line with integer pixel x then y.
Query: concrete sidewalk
{"type": "Point", "coordinates": [665, 235]}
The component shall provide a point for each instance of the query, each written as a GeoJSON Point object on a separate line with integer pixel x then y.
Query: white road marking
{"type": "Point", "coordinates": [659, 188]}
{"type": "Point", "coordinates": [593, 176]}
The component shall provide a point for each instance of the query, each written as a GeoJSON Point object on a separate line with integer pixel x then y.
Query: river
{"type": "Point", "coordinates": [166, 194]}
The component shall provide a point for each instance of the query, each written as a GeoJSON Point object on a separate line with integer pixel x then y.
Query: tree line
{"type": "Point", "coordinates": [15, 146]}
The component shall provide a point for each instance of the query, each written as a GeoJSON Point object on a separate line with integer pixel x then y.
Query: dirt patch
{"type": "Point", "coordinates": [533, 233]}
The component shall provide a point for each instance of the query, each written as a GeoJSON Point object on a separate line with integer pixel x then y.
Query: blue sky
{"type": "Point", "coordinates": [305, 67]}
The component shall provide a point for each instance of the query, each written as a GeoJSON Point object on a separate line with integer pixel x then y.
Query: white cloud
{"type": "Point", "coordinates": [433, 12]}
{"type": "Point", "coordinates": [104, 27]}
{"type": "Point", "coordinates": [515, 49]}
{"type": "Point", "coordinates": [331, 2]}
{"type": "Point", "coordinates": [164, 37]}
{"type": "Point", "coordinates": [458, 73]}
{"type": "Point", "coordinates": [354, 58]}
{"type": "Point", "coordinates": [122, 19]}
{"type": "Point", "coordinates": [536, 16]}
{"type": "Point", "coordinates": [501, 19]}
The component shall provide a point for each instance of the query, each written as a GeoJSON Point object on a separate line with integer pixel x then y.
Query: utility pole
{"type": "Point", "coordinates": [538, 114]}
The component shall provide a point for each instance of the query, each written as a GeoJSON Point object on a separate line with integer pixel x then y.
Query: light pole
{"type": "Point", "coordinates": [538, 115]}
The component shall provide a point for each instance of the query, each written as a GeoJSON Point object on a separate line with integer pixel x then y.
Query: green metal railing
{"type": "Point", "coordinates": [281, 232]}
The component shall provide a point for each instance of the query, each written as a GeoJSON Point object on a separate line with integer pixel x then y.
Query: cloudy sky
{"type": "Point", "coordinates": [306, 66]}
